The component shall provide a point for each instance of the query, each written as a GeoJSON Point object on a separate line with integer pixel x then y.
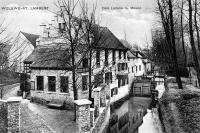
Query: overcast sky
{"type": "Point", "coordinates": [135, 23]}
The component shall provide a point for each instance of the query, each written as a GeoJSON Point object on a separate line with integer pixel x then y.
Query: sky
{"type": "Point", "coordinates": [127, 19]}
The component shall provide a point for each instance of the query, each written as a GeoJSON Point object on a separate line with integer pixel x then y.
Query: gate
{"type": "Point", "coordinates": [141, 88]}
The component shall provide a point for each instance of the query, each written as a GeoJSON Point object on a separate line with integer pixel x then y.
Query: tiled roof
{"type": "Point", "coordinates": [49, 58]}
{"type": "Point", "coordinates": [106, 39]}
{"type": "Point", "coordinates": [55, 58]}
{"type": "Point", "coordinates": [31, 37]}
{"type": "Point", "coordinates": [131, 54]}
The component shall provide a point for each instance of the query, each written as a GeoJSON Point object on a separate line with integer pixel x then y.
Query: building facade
{"type": "Point", "coordinates": [23, 46]}
{"type": "Point", "coordinates": [51, 74]}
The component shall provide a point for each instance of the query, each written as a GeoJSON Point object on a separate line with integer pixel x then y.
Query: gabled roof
{"type": "Point", "coordinates": [126, 43]}
{"type": "Point", "coordinates": [106, 39]}
{"type": "Point", "coordinates": [49, 58]}
{"type": "Point", "coordinates": [31, 38]}
{"type": "Point", "coordinates": [131, 54]}
{"type": "Point", "coordinates": [134, 54]}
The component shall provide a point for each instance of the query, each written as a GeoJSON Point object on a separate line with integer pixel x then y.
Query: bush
{"type": "Point", "coordinates": [189, 96]}
{"type": "Point", "coordinates": [182, 71]}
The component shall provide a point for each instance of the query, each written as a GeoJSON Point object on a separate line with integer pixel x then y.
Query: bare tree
{"type": "Point", "coordinates": [182, 34]}
{"type": "Point", "coordinates": [192, 42]}
{"type": "Point", "coordinates": [166, 11]}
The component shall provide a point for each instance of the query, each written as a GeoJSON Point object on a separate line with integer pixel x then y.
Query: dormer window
{"type": "Point", "coordinates": [61, 27]}
{"type": "Point", "coordinates": [27, 67]}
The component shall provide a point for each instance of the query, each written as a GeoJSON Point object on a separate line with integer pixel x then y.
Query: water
{"type": "Point", "coordinates": [133, 116]}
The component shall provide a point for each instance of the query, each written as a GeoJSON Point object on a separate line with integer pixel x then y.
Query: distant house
{"type": "Point", "coordinates": [23, 46]}
{"type": "Point", "coordinates": [193, 75]}
{"type": "Point", "coordinates": [138, 65]}
{"type": "Point", "coordinates": [4, 56]}
{"type": "Point", "coordinates": [51, 75]}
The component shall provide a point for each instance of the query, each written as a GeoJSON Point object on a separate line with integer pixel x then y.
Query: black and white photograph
{"type": "Point", "coordinates": [99, 66]}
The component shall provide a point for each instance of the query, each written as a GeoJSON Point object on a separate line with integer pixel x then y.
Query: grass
{"type": "Point", "coordinates": [8, 77]}
{"type": "Point", "coordinates": [184, 115]}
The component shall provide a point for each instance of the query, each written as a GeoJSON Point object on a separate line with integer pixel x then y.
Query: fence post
{"type": "Point", "coordinates": [13, 106]}
{"type": "Point", "coordinates": [97, 97]}
{"type": "Point", "coordinates": [83, 114]}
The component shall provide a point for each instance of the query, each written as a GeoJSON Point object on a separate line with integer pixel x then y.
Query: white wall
{"type": "Point", "coordinates": [20, 50]}
{"type": "Point", "coordinates": [136, 63]}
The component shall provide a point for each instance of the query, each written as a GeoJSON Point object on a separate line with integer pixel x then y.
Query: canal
{"type": "Point", "coordinates": [134, 116]}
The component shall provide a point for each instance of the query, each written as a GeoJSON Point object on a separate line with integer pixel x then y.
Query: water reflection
{"type": "Point", "coordinates": [127, 117]}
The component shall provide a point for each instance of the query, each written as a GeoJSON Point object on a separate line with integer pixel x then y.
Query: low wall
{"type": "Point", "coordinates": [101, 122]}
{"type": "Point", "coordinates": [45, 97]}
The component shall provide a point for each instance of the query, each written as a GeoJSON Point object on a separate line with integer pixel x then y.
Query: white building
{"type": "Point", "coordinates": [22, 47]}
{"type": "Point", "coordinates": [50, 68]}
{"type": "Point", "coordinates": [136, 65]}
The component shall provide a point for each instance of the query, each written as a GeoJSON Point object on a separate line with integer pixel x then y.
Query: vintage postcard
{"type": "Point", "coordinates": [99, 66]}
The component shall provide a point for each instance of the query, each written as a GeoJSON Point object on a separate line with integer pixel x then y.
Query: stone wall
{"type": "Point", "coordinates": [45, 95]}
{"type": "Point", "coordinates": [101, 119]}
{"type": "Point", "coordinates": [3, 116]}
{"type": "Point", "coordinates": [10, 115]}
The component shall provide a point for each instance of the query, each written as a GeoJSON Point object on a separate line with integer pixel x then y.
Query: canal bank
{"type": "Point", "coordinates": [129, 116]}
{"type": "Point", "coordinates": [179, 108]}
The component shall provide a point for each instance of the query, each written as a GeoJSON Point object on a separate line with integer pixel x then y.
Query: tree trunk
{"type": "Point", "coordinates": [196, 25]}
{"type": "Point", "coordinates": [90, 73]}
{"type": "Point", "coordinates": [182, 36]}
{"type": "Point", "coordinates": [176, 67]}
{"type": "Point", "coordinates": [74, 78]}
{"type": "Point", "coordinates": [194, 52]}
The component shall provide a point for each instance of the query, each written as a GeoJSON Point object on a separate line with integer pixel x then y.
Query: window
{"type": "Point", "coordinates": [40, 83]}
{"type": "Point", "coordinates": [122, 80]}
{"type": "Point", "coordinates": [84, 82]}
{"type": "Point", "coordinates": [64, 87]}
{"type": "Point", "coordinates": [136, 69]}
{"type": "Point", "coordinates": [114, 91]}
{"type": "Point", "coordinates": [85, 63]}
{"type": "Point", "coordinates": [132, 69]}
{"type": "Point", "coordinates": [124, 54]}
{"type": "Point", "coordinates": [26, 67]}
{"type": "Point", "coordinates": [52, 83]}
{"type": "Point", "coordinates": [139, 67]}
{"type": "Point", "coordinates": [120, 56]}
{"type": "Point", "coordinates": [98, 58]}
{"type": "Point", "coordinates": [108, 77]}
{"type": "Point", "coordinates": [98, 79]}
{"type": "Point", "coordinates": [113, 57]}
{"type": "Point", "coordinates": [61, 27]}
{"type": "Point", "coordinates": [32, 85]}
{"type": "Point", "coordinates": [106, 57]}
{"type": "Point", "coordinates": [122, 66]}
